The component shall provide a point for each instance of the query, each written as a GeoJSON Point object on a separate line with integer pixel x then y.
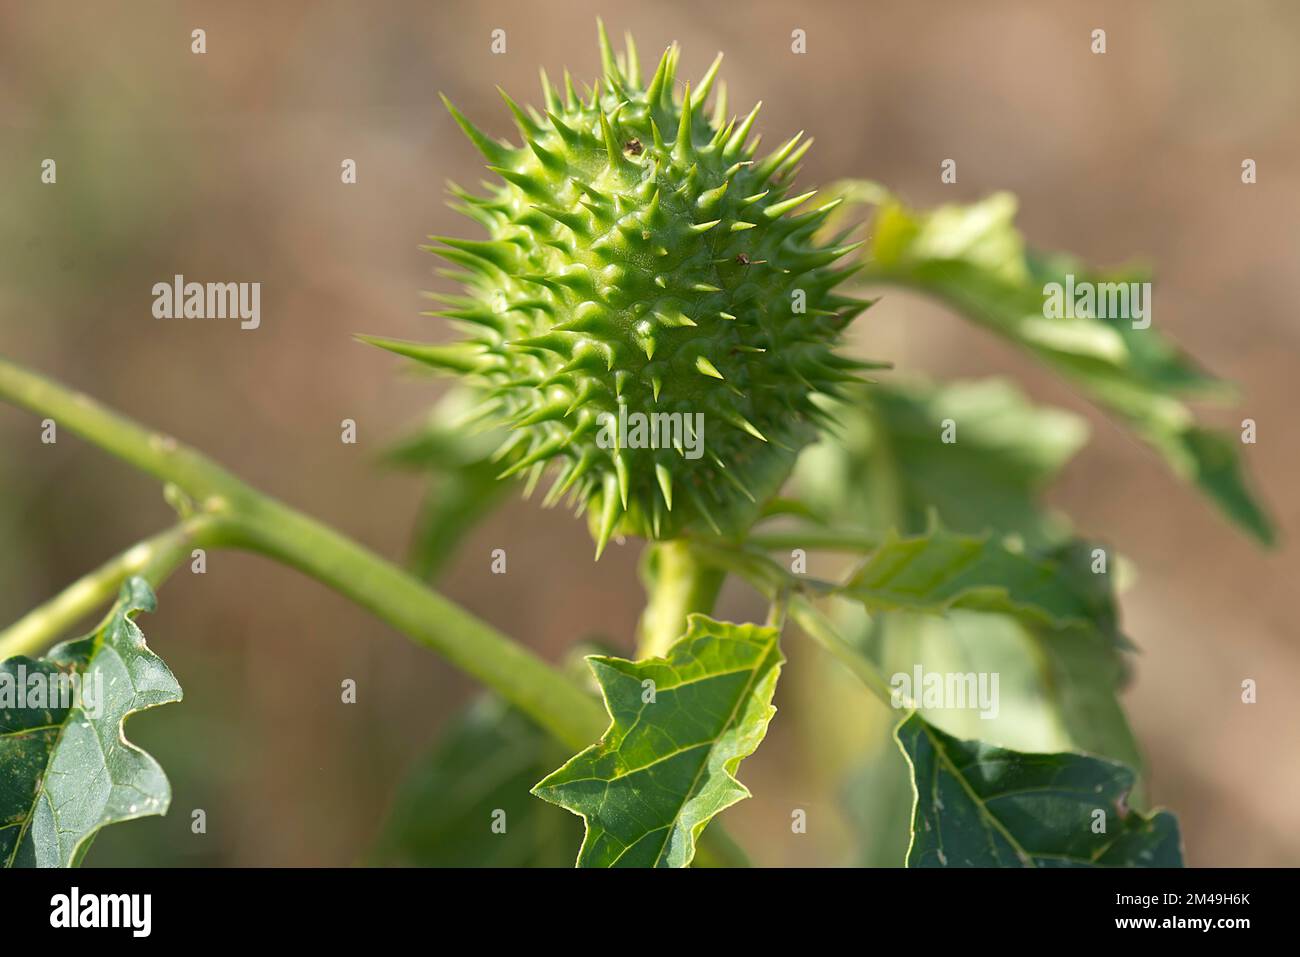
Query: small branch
{"type": "Point", "coordinates": [815, 625]}
{"type": "Point", "coordinates": [772, 581]}
{"type": "Point", "coordinates": [810, 537]}
{"type": "Point", "coordinates": [155, 559]}
{"type": "Point", "coordinates": [759, 570]}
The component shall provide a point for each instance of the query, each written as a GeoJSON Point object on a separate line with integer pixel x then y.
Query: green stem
{"type": "Point", "coordinates": [249, 519]}
{"type": "Point", "coordinates": [232, 513]}
{"type": "Point", "coordinates": [677, 584]}
{"type": "Point", "coordinates": [544, 693]}
{"type": "Point", "coordinates": [815, 625]}
{"type": "Point", "coordinates": [811, 537]}
{"type": "Point", "coordinates": [154, 559]}
{"type": "Point", "coordinates": [774, 582]}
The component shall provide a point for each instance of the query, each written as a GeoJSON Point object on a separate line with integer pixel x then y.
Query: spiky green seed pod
{"type": "Point", "coordinates": [641, 260]}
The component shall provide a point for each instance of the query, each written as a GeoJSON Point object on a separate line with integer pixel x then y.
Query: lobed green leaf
{"type": "Point", "coordinates": [680, 727]}
{"type": "Point", "coordinates": [66, 768]}
{"type": "Point", "coordinates": [973, 258]}
{"type": "Point", "coordinates": [941, 571]}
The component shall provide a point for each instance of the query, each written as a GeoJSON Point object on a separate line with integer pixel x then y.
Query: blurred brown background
{"type": "Point", "coordinates": [225, 166]}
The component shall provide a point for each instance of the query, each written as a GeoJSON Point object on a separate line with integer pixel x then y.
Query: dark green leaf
{"type": "Point", "coordinates": [66, 768]}
{"type": "Point", "coordinates": [982, 806]}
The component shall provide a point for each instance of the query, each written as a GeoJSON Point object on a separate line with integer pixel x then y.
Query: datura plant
{"type": "Point", "coordinates": [653, 316]}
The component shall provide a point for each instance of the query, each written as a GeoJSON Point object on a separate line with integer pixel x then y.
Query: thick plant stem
{"type": "Point", "coordinates": [677, 584]}
{"type": "Point", "coordinates": [249, 519]}
{"type": "Point", "coordinates": [393, 595]}
{"type": "Point", "coordinates": [154, 559]}
{"type": "Point", "coordinates": [232, 513]}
